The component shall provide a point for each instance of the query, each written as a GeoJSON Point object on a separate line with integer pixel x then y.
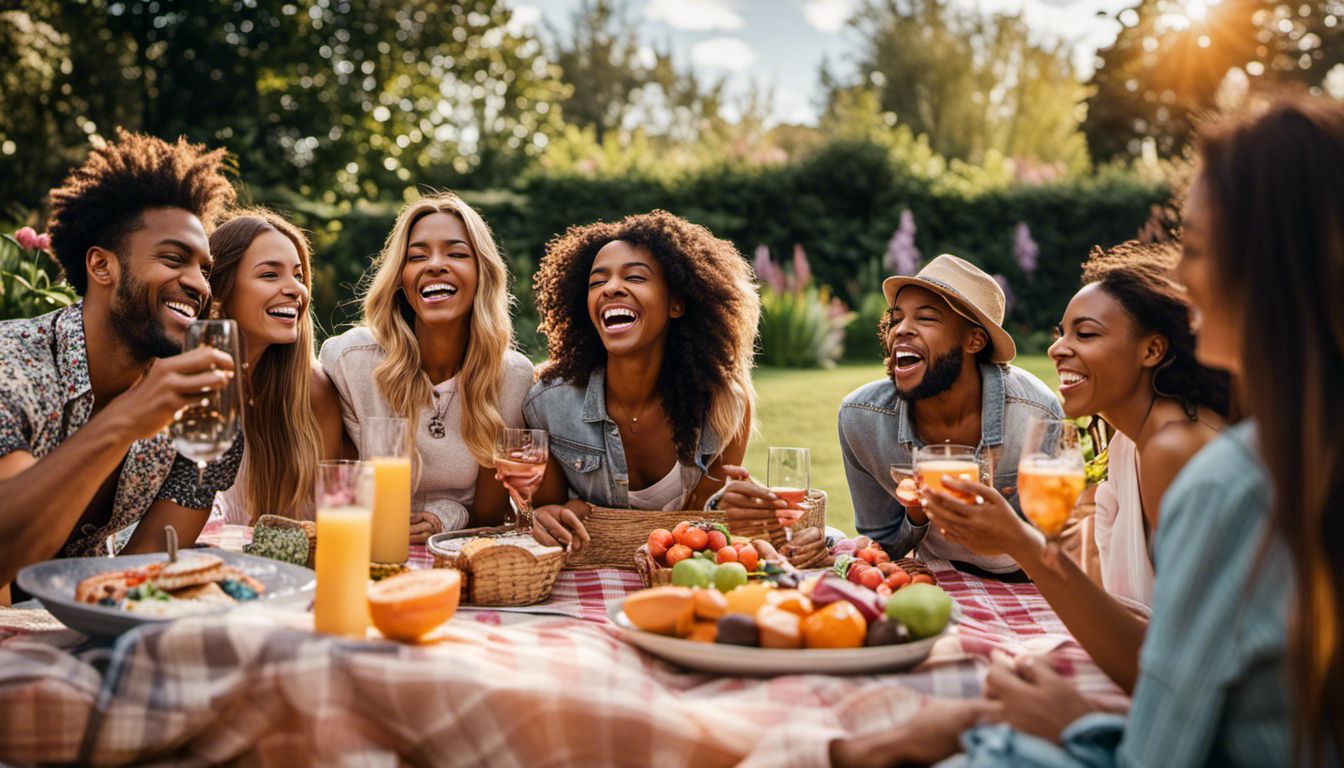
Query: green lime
{"type": "Point", "coordinates": [692, 572]}
{"type": "Point", "coordinates": [729, 576]}
{"type": "Point", "coordinates": [924, 609]}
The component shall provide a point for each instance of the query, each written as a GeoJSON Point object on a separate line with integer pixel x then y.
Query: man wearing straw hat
{"type": "Point", "coordinates": [949, 381]}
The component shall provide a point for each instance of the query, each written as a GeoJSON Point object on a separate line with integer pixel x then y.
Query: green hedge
{"type": "Point", "coordinates": [842, 204]}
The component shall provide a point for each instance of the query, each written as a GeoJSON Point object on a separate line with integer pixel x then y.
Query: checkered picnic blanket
{"type": "Point", "coordinates": [256, 685]}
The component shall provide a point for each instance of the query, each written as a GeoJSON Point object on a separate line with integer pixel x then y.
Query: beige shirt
{"type": "Point", "coordinates": [446, 469]}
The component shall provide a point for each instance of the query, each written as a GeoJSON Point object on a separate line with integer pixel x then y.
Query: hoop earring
{"type": "Point", "coordinates": [1191, 411]}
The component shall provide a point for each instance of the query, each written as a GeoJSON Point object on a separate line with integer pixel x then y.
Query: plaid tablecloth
{"type": "Point", "coordinates": [256, 685]}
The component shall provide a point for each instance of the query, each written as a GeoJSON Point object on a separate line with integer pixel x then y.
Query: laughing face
{"type": "Point", "coordinates": [927, 343]}
{"type": "Point", "coordinates": [439, 275]}
{"type": "Point", "coordinates": [162, 283]}
{"type": "Point", "coordinates": [1101, 353]}
{"type": "Point", "coordinates": [268, 295]}
{"type": "Point", "coordinates": [628, 299]}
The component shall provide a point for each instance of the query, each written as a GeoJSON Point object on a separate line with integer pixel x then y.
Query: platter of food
{"type": "Point", "coordinates": [825, 626]}
{"type": "Point", "coordinates": [106, 596]}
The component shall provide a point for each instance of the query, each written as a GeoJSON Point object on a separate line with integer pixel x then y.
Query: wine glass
{"type": "Point", "coordinates": [520, 458]}
{"type": "Point", "coordinates": [204, 431]}
{"type": "Point", "coordinates": [1050, 474]}
{"type": "Point", "coordinates": [789, 476]}
{"type": "Point", "coordinates": [932, 462]}
{"type": "Point", "coordinates": [907, 485]}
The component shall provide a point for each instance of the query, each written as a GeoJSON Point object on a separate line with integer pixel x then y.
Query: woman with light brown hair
{"type": "Point", "coordinates": [435, 347]}
{"type": "Point", "coordinates": [262, 279]}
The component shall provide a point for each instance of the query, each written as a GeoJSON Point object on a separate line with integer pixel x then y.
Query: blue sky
{"type": "Point", "coordinates": [781, 43]}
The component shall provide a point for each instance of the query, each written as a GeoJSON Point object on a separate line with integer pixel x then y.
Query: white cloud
{"type": "Point", "coordinates": [694, 15]}
{"type": "Point", "coordinates": [524, 16]}
{"type": "Point", "coordinates": [827, 16]}
{"type": "Point", "coordinates": [728, 53]}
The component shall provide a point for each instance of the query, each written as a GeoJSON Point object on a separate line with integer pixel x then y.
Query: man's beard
{"type": "Point", "coordinates": [942, 373]}
{"type": "Point", "coordinates": [139, 328]}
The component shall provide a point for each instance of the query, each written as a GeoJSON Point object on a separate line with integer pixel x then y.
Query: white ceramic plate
{"type": "Point", "coordinates": [741, 661]}
{"type": "Point", "coordinates": [53, 583]}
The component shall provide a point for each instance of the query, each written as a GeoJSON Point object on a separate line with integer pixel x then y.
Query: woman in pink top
{"type": "Point", "coordinates": [1125, 352]}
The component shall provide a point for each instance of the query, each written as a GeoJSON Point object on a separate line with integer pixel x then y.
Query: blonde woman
{"type": "Point", "coordinates": [262, 279]}
{"type": "Point", "coordinates": [435, 347]}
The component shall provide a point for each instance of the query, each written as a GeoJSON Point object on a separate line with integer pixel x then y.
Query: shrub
{"type": "Point", "coordinates": [29, 285]}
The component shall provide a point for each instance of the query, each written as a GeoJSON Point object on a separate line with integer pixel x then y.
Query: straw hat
{"type": "Point", "coordinates": [969, 291]}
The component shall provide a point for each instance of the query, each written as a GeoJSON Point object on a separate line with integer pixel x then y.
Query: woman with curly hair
{"type": "Point", "coordinates": [1124, 352]}
{"type": "Point", "coordinates": [435, 348]}
{"type": "Point", "coordinates": [263, 280]}
{"type": "Point", "coordinates": [650, 324]}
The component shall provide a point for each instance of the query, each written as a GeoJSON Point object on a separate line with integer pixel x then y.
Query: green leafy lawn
{"type": "Point", "coordinates": [798, 408]}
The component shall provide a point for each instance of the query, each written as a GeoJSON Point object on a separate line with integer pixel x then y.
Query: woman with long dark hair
{"type": "Point", "coordinates": [262, 279]}
{"type": "Point", "coordinates": [650, 323]}
{"type": "Point", "coordinates": [1242, 661]}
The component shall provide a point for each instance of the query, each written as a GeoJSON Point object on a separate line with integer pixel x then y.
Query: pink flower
{"type": "Point", "coordinates": [1025, 249]}
{"type": "Point", "coordinates": [27, 237]}
{"type": "Point", "coordinates": [44, 242]}
{"type": "Point", "coordinates": [802, 271]}
{"type": "Point", "coordinates": [902, 255]}
{"type": "Point", "coordinates": [767, 272]}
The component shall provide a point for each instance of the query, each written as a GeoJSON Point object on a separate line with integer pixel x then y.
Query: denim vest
{"type": "Point", "coordinates": [876, 431]}
{"type": "Point", "coordinates": [587, 443]}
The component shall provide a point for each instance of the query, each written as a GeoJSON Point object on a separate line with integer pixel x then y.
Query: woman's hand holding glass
{"type": "Point", "coordinates": [990, 528]}
{"type": "Point", "coordinates": [745, 500]}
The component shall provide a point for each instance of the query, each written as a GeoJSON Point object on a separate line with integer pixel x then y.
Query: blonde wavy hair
{"type": "Point", "coordinates": [390, 318]}
{"type": "Point", "coordinates": [283, 441]}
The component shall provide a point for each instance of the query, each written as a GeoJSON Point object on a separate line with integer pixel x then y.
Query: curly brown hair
{"type": "Point", "coordinates": [706, 369]}
{"type": "Point", "coordinates": [100, 202]}
{"type": "Point", "coordinates": [1141, 276]}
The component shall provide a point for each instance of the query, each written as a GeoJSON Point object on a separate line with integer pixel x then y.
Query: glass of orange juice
{"type": "Point", "coordinates": [932, 462]}
{"type": "Point", "coordinates": [344, 520]}
{"type": "Point", "coordinates": [386, 447]}
{"type": "Point", "coordinates": [1050, 474]}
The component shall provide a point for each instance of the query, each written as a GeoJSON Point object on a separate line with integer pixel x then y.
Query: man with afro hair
{"type": "Point", "coordinates": [87, 392]}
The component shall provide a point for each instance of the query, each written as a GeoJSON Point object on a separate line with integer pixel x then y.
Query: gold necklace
{"type": "Point", "coordinates": [634, 420]}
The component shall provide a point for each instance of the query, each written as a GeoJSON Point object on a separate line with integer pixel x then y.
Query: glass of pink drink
{"type": "Point", "coordinates": [789, 476]}
{"type": "Point", "coordinates": [520, 458]}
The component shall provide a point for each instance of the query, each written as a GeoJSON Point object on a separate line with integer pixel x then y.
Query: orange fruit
{"type": "Point", "coordinates": [790, 600]}
{"type": "Point", "coordinates": [838, 625]}
{"type": "Point", "coordinates": [749, 597]}
{"type": "Point", "coordinates": [408, 605]}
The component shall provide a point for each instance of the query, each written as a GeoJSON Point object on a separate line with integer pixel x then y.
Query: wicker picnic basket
{"type": "Point", "coordinates": [615, 533]}
{"type": "Point", "coordinates": [497, 572]}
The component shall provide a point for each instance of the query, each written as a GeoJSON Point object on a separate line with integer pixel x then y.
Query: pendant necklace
{"type": "Point", "coordinates": [436, 428]}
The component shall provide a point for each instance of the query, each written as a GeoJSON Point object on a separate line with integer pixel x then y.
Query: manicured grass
{"type": "Point", "coordinates": [799, 407]}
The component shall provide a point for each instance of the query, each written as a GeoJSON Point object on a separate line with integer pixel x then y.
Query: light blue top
{"type": "Point", "coordinates": [876, 431]}
{"type": "Point", "coordinates": [587, 443]}
{"type": "Point", "coordinates": [1213, 683]}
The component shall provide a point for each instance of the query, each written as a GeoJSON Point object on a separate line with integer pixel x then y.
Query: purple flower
{"type": "Point", "coordinates": [1025, 249]}
{"type": "Point", "coordinates": [902, 256]}
{"type": "Point", "coordinates": [27, 237]}
{"type": "Point", "coordinates": [767, 272]}
{"type": "Point", "coordinates": [1008, 297]}
{"type": "Point", "coordinates": [802, 271]}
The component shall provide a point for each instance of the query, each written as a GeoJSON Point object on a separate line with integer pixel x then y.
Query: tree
{"type": "Point", "coordinates": [1168, 61]}
{"type": "Point", "coordinates": [600, 62]}
{"type": "Point", "coordinates": [330, 99]}
{"type": "Point", "coordinates": [973, 83]}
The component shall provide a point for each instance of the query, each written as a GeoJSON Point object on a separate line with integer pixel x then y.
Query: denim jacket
{"type": "Point", "coordinates": [876, 431]}
{"type": "Point", "coordinates": [587, 443]}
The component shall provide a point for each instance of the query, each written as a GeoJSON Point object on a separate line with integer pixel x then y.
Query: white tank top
{"type": "Point", "coordinates": [663, 495]}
